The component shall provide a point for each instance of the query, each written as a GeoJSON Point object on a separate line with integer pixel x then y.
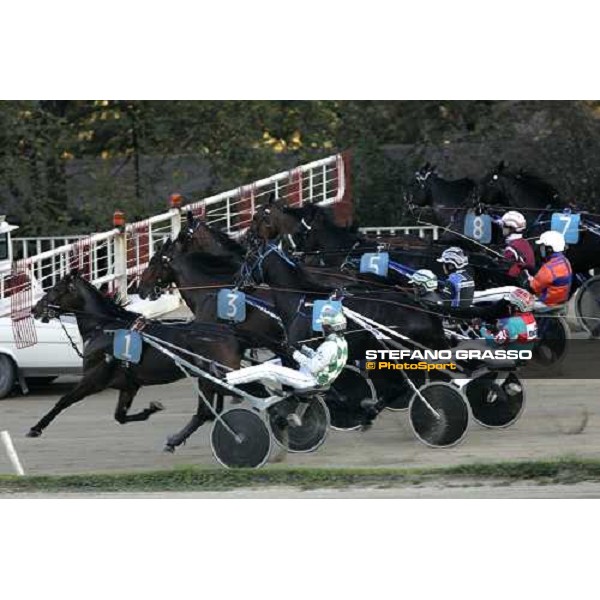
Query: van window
{"type": "Point", "coordinates": [3, 246]}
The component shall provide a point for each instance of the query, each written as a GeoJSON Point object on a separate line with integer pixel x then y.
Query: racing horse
{"type": "Point", "coordinates": [537, 200]}
{"type": "Point", "coordinates": [447, 200]}
{"type": "Point", "coordinates": [324, 244]}
{"type": "Point", "coordinates": [193, 271]}
{"type": "Point", "coordinates": [294, 286]}
{"type": "Point", "coordinates": [199, 276]}
{"type": "Point", "coordinates": [96, 317]}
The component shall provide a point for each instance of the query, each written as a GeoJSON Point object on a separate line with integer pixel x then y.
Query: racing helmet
{"type": "Point", "coordinates": [521, 299]}
{"type": "Point", "coordinates": [332, 319]}
{"type": "Point", "coordinates": [424, 278]}
{"type": "Point", "coordinates": [514, 220]}
{"type": "Point", "coordinates": [553, 239]}
{"type": "Point", "coordinates": [454, 256]}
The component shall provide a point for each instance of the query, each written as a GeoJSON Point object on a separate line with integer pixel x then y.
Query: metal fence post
{"type": "Point", "coordinates": [120, 254]}
{"type": "Point", "coordinates": [175, 224]}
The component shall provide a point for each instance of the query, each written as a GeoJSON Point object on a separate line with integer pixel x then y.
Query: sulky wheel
{"type": "Point", "coordinates": [395, 392]}
{"type": "Point", "coordinates": [239, 438]}
{"type": "Point", "coordinates": [587, 306]}
{"type": "Point", "coordinates": [299, 424]}
{"type": "Point", "coordinates": [553, 342]}
{"type": "Point", "coordinates": [446, 428]}
{"type": "Point", "coordinates": [351, 399]}
{"type": "Point", "coordinates": [494, 402]}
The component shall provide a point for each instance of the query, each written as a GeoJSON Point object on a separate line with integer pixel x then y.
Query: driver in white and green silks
{"type": "Point", "coordinates": [318, 367]}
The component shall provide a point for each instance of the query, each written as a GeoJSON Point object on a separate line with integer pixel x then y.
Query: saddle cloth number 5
{"type": "Point", "coordinates": [375, 262]}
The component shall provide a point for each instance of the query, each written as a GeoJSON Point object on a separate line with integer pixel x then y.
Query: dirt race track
{"type": "Point", "coordinates": [561, 418]}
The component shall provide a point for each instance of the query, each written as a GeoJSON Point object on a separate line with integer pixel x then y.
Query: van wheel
{"type": "Point", "coordinates": [8, 375]}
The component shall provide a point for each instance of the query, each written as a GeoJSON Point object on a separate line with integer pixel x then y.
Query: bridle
{"type": "Point", "coordinates": [254, 263]}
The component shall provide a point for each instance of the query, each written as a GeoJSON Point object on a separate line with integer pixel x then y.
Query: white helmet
{"type": "Point", "coordinates": [454, 256]}
{"type": "Point", "coordinates": [333, 319]}
{"type": "Point", "coordinates": [424, 278]}
{"type": "Point", "coordinates": [514, 219]}
{"type": "Point", "coordinates": [554, 239]}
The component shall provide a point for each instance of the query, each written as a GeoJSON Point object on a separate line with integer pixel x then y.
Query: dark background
{"type": "Point", "coordinates": [66, 165]}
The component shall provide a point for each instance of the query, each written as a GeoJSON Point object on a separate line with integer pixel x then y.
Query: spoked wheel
{"type": "Point", "coordinates": [442, 420]}
{"type": "Point", "coordinates": [496, 403]}
{"type": "Point", "coordinates": [299, 424]}
{"type": "Point", "coordinates": [351, 399]}
{"type": "Point", "coordinates": [396, 393]}
{"type": "Point", "coordinates": [587, 306]}
{"type": "Point", "coordinates": [553, 333]}
{"type": "Point", "coordinates": [240, 438]}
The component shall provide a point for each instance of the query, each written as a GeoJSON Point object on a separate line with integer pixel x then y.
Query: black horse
{"type": "Point", "coordinates": [322, 243]}
{"type": "Point", "coordinates": [294, 287]}
{"type": "Point", "coordinates": [199, 276]}
{"type": "Point", "coordinates": [96, 317]}
{"type": "Point", "coordinates": [503, 189]}
{"type": "Point", "coordinates": [199, 235]}
{"type": "Point", "coordinates": [446, 200]}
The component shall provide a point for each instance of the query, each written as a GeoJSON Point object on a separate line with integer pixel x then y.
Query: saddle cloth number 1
{"type": "Point", "coordinates": [127, 346]}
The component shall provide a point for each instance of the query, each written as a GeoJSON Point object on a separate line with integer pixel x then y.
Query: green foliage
{"type": "Point", "coordinates": [65, 165]}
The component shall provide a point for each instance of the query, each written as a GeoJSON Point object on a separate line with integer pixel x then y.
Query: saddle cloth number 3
{"type": "Point", "coordinates": [231, 305]}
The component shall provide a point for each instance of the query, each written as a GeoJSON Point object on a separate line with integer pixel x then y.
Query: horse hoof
{"type": "Point", "coordinates": [169, 448]}
{"type": "Point", "coordinates": [156, 406]}
{"type": "Point", "coordinates": [33, 433]}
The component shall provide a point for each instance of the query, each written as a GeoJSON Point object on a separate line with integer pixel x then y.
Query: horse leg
{"type": "Point", "coordinates": [203, 413]}
{"type": "Point", "coordinates": [94, 381]}
{"type": "Point", "coordinates": [124, 404]}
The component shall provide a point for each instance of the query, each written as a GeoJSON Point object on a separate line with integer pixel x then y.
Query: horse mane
{"type": "Point", "coordinates": [113, 307]}
{"type": "Point", "coordinates": [534, 181]}
{"type": "Point", "coordinates": [211, 264]}
{"type": "Point", "coordinates": [224, 239]}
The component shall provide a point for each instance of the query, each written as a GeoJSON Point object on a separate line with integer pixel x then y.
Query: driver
{"type": "Point", "coordinates": [425, 283]}
{"type": "Point", "coordinates": [552, 282]}
{"type": "Point", "coordinates": [518, 250]}
{"type": "Point", "coordinates": [518, 330]}
{"type": "Point", "coordinates": [459, 288]}
{"type": "Point", "coordinates": [318, 367]}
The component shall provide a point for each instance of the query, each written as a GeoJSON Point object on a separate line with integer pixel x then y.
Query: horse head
{"type": "Point", "coordinates": [64, 297]}
{"type": "Point", "coordinates": [521, 190]}
{"type": "Point", "coordinates": [492, 189]}
{"type": "Point", "coordinates": [419, 190]}
{"type": "Point", "coordinates": [158, 275]}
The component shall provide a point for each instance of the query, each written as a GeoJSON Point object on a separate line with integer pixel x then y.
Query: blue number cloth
{"type": "Point", "coordinates": [231, 305]}
{"type": "Point", "coordinates": [127, 346]}
{"type": "Point", "coordinates": [375, 262]}
{"type": "Point", "coordinates": [568, 224]}
{"type": "Point", "coordinates": [318, 306]}
{"type": "Point", "coordinates": [478, 227]}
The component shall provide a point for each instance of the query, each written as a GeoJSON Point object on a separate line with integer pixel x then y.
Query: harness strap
{"type": "Point", "coordinates": [73, 344]}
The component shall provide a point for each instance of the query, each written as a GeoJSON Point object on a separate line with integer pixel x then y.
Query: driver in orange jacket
{"type": "Point", "coordinates": [552, 282]}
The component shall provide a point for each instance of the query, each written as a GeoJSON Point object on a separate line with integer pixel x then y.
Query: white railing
{"type": "Point", "coordinates": [427, 231]}
{"type": "Point", "coordinates": [31, 246]}
{"type": "Point", "coordinates": [118, 257]}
